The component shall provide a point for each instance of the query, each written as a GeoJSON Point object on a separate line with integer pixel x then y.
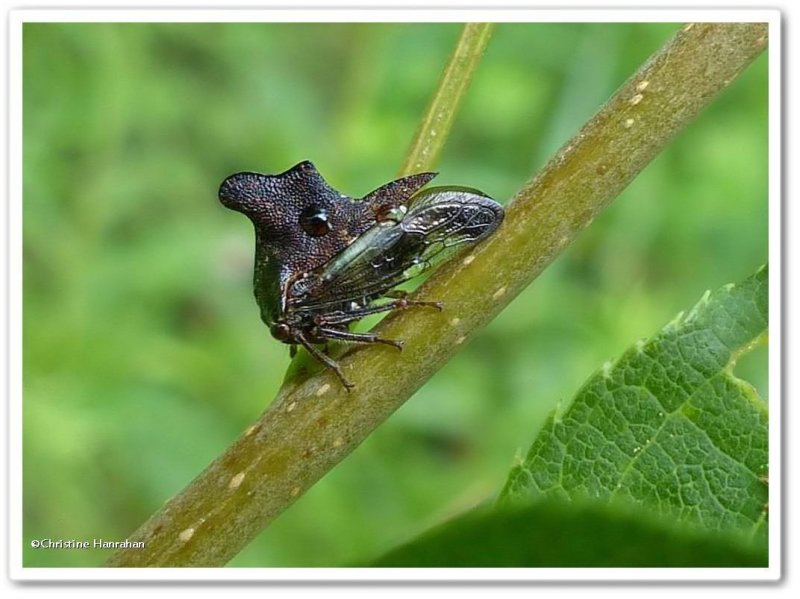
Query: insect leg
{"type": "Point", "coordinates": [353, 315]}
{"type": "Point", "coordinates": [357, 337]}
{"type": "Point", "coordinates": [326, 360]}
{"type": "Point", "coordinates": [400, 294]}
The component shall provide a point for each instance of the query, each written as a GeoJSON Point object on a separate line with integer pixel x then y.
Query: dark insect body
{"type": "Point", "coordinates": [323, 258]}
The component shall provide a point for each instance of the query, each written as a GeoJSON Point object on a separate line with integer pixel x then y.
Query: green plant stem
{"type": "Point", "coordinates": [435, 125]}
{"type": "Point", "coordinates": [313, 423]}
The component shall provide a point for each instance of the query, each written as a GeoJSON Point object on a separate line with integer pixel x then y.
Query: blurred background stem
{"type": "Point", "coordinates": [435, 125]}
{"type": "Point", "coordinates": [313, 424]}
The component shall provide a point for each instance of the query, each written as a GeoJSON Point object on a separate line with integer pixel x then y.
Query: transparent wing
{"type": "Point", "coordinates": [439, 222]}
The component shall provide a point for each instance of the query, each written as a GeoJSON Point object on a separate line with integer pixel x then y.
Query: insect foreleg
{"type": "Point", "coordinates": [357, 337]}
{"type": "Point", "coordinates": [359, 313]}
{"type": "Point", "coordinates": [326, 360]}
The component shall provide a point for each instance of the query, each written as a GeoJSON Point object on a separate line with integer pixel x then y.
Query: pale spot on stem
{"type": "Point", "coordinates": [185, 535]}
{"type": "Point", "coordinates": [236, 481]}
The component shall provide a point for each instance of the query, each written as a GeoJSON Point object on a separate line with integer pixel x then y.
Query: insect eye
{"type": "Point", "coordinates": [314, 221]}
{"type": "Point", "coordinates": [280, 331]}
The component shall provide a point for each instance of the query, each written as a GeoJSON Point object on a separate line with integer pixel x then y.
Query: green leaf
{"type": "Point", "coordinates": [668, 425]}
{"type": "Point", "coordinates": [574, 534]}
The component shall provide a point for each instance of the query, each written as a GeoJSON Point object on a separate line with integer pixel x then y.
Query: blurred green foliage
{"type": "Point", "coordinates": [143, 353]}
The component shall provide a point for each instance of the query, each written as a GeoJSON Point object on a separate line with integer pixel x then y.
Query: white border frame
{"type": "Point", "coordinates": [16, 569]}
